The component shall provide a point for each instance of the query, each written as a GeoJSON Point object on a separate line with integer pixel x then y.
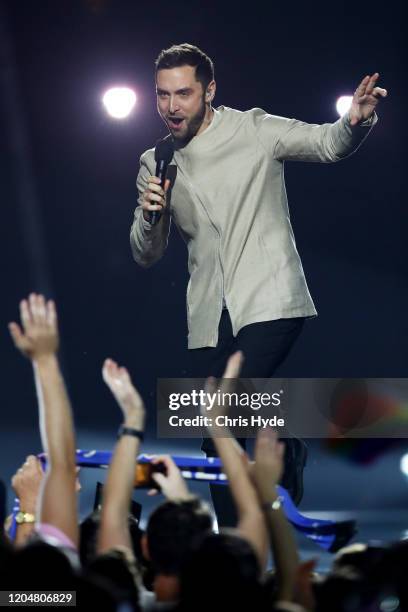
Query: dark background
{"type": "Point", "coordinates": [68, 186]}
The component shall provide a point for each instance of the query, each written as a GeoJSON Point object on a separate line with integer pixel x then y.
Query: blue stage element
{"type": "Point", "coordinates": [329, 535]}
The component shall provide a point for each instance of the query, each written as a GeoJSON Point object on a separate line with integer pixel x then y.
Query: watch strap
{"type": "Point", "coordinates": [130, 431]}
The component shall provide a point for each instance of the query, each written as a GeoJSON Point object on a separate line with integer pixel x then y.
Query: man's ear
{"type": "Point", "coordinates": [210, 93]}
{"type": "Point", "coordinates": [145, 547]}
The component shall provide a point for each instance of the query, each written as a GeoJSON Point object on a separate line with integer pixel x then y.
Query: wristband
{"type": "Point", "coordinates": [130, 431]}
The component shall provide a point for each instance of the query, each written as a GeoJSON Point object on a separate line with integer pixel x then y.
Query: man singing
{"type": "Point", "coordinates": [247, 289]}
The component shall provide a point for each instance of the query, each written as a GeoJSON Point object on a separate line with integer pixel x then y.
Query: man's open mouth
{"type": "Point", "coordinates": [175, 122]}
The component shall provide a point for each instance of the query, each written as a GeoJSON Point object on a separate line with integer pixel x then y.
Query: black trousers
{"type": "Point", "coordinates": [265, 346]}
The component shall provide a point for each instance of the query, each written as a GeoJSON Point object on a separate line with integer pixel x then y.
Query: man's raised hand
{"type": "Point", "coordinates": [225, 385]}
{"type": "Point", "coordinates": [26, 483]}
{"type": "Point", "coordinates": [38, 335]}
{"type": "Point", "coordinates": [268, 467]}
{"type": "Point", "coordinates": [365, 99]}
{"type": "Point", "coordinates": [154, 197]}
{"type": "Point", "coordinates": [172, 483]}
{"type": "Point", "coordinates": [119, 382]}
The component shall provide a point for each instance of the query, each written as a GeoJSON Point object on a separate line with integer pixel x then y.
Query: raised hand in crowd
{"type": "Point", "coordinates": [37, 338]}
{"type": "Point", "coordinates": [114, 527]}
{"type": "Point", "coordinates": [26, 483]}
{"type": "Point", "coordinates": [171, 483]}
{"type": "Point", "coordinates": [266, 473]}
{"type": "Point", "coordinates": [251, 524]}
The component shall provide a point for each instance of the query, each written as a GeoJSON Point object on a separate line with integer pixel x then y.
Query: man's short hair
{"type": "Point", "coordinates": [187, 55]}
{"type": "Point", "coordinates": [173, 529]}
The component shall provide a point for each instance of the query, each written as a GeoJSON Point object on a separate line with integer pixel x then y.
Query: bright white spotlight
{"type": "Point", "coordinates": [404, 464]}
{"type": "Point", "coordinates": [343, 104]}
{"type": "Point", "coordinates": [119, 101]}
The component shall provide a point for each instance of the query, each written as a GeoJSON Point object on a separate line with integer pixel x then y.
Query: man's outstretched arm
{"type": "Point", "coordinates": [38, 340]}
{"type": "Point", "coordinates": [289, 139]}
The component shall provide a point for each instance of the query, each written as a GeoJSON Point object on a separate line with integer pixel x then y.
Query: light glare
{"type": "Point", "coordinates": [119, 102]}
{"type": "Point", "coordinates": [404, 464]}
{"type": "Point", "coordinates": [343, 104]}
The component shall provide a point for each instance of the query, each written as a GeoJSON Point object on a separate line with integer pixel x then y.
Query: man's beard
{"type": "Point", "coordinates": [193, 125]}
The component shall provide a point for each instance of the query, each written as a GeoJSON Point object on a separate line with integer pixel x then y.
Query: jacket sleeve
{"type": "Point", "coordinates": [148, 242]}
{"type": "Point", "coordinates": [290, 139]}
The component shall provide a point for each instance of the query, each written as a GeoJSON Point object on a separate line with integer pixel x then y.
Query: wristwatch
{"type": "Point", "coordinates": [24, 517]}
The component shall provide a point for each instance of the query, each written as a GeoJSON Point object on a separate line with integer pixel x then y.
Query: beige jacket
{"type": "Point", "coordinates": [228, 200]}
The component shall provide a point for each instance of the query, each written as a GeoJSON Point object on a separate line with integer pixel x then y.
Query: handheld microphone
{"type": "Point", "coordinates": [163, 154]}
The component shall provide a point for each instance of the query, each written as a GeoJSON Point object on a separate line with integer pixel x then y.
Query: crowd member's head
{"type": "Point", "coordinates": [185, 88]}
{"type": "Point", "coordinates": [358, 556]}
{"type": "Point", "coordinates": [40, 566]}
{"type": "Point", "coordinates": [119, 574]}
{"type": "Point", "coordinates": [222, 571]}
{"type": "Point", "coordinates": [389, 575]}
{"type": "Point", "coordinates": [341, 591]}
{"type": "Point", "coordinates": [172, 529]}
{"type": "Point", "coordinates": [89, 533]}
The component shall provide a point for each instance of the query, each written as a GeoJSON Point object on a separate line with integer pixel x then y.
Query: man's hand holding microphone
{"type": "Point", "coordinates": [154, 197]}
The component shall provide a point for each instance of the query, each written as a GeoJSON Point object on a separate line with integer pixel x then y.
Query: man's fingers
{"type": "Point", "coordinates": [362, 87]}
{"type": "Point", "coordinates": [281, 447]}
{"type": "Point", "coordinates": [232, 371]}
{"type": "Point", "coordinates": [110, 365]}
{"type": "Point", "coordinates": [33, 305]}
{"type": "Point", "coordinates": [267, 434]}
{"type": "Point", "coordinates": [41, 309]}
{"type": "Point", "coordinates": [153, 201]}
{"type": "Point", "coordinates": [154, 179]}
{"type": "Point", "coordinates": [108, 370]}
{"type": "Point", "coordinates": [165, 459]}
{"type": "Point", "coordinates": [371, 82]}
{"type": "Point", "coordinates": [372, 98]}
{"type": "Point", "coordinates": [159, 479]}
{"type": "Point", "coordinates": [155, 188]}
{"type": "Point", "coordinates": [380, 91]}
{"type": "Point", "coordinates": [152, 207]}
{"type": "Point", "coordinates": [51, 314]}
{"type": "Point", "coordinates": [124, 374]}
{"type": "Point", "coordinates": [234, 365]}
{"type": "Point", "coordinates": [210, 385]}
{"type": "Point", "coordinates": [16, 333]}
{"type": "Point", "coordinates": [25, 315]}
{"type": "Point", "coordinates": [151, 196]}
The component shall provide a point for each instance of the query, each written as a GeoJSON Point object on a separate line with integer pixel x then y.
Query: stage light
{"type": "Point", "coordinates": [119, 102]}
{"type": "Point", "coordinates": [343, 104]}
{"type": "Point", "coordinates": [390, 604]}
{"type": "Point", "coordinates": [404, 464]}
